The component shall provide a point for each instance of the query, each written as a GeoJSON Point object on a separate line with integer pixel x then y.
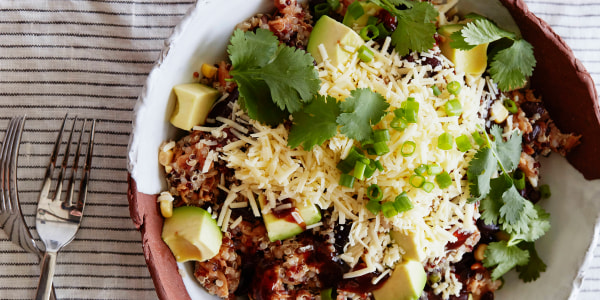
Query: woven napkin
{"type": "Point", "coordinates": [90, 58]}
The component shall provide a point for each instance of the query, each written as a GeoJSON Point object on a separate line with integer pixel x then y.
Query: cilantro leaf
{"type": "Point", "coordinates": [531, 271]}
{"type": "Point", "coordinates": [458, 41]}
{"type": "Point", "coordinates": [315, 124]}
{"type": "Point", "coordinates": [481, 168]}
{"type": "Point", "coordinates": [411, 35]}
{"type": "Point", "coordinates": [292, 78]}
{"type": "Point", "coordinates": [251, 50]}
{"type": "Point", "coordinates": [511, 66]}
{"type": "Point", "coordinates": [503, 258]}
{"type": "Point", "coordinates": [491, 205]}
{"type": "Point", "coordinates": [363, 109]}
{"type": "Point", "coordinates": [517, 212]}
{"type": "Point", "coordinates": [259, 107]}
{"type": "Point", "coordinates": [415, 27]}
{"type": "Point", "coordinates": [483, 31]}
{"type": "Point", "coordinates": [509, 152]}
{"type": "Point", "coordinates": [273, 80]}
{"type": "Point", "coordinates": [536, 228]}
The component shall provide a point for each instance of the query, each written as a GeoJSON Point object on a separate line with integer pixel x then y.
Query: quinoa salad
{"type": "Point", "coordinates": [344, 156]}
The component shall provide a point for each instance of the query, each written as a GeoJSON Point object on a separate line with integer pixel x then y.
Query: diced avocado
{"type": "Point", "coordinates": [472, 62]}
{"type": "Point", "coordinates": [284, 228]}
{"type": "Point", "coordinates": [334, 36]}
{"type": "Point", "coordinates": [192, 234]}
{"type": "Point", "coordinates": [370, 9]}
{"type": "Point", "coordinates": [194, 101]}
{"type": "Point", "coordinates": [409, 242]}
{"type": "Point", "coordinates": [406, 283]}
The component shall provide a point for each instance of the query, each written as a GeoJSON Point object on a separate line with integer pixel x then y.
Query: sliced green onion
{"type": "Point", "coordinates": [345, 166]}
{"type": "Point", "coordinates": [453, 107]}
{"type": "Point", "coordinates": [428, 186]}
{"type": "Point", "coordinates": [408, 148]}
{"type": "Point", "coordinates": [374, 206]}
{"type": "Point", "coordinates": [519, 179]}
{"type": "Point", "coordinates": [402, 202]}
{"type": "Point", "coordinates": [416, 180]}
{"type": "Point", "coordinates": [369, 32]}
{"type": "Point", "coordinates": [478, 139]}
{"type": "Point", "coordinates": [334, 4]}
{"type": "Point", "coordinates": [365, 54]}
{"type": "Point", "coordinates": [434, 169]}
{"type": "Point", "coordinates": [374, 192]}
{"type": "Point", "coordinates": [411, 112]}
{"type": "Point", "coordinates": [454, 87]}
{"type": "Point", "coordinates": [353, 12]}
{"type": "Point", "coordinates": [370, 169]}
{"type": "Point", "coordinates": [383, 32]}
{"type": "Point", "coordinates": [372, 20]}
{"type": "Point", "coordinates": [399, 124]}
{"type": "Point", "coordinates": [436, 90]}
{"type": "Point", "coordinates": [445, 141]}
{"type": "Point", "coordinates": [381, 148]}
{"type": "Point", "coordinates": [354, 155]}
{"type": "Point", "coordinates": [511, 106]}
{"type": "Point", "coordinates": [347, 180]}
{"type": "Point", "coordinates": [359, 170]}
{"type": "Point", "coordinates": [388, 209]}
{"type": "Point", "coordinates": [421, 169]}
{"type": "Point", "coordinates": [399, 112]}
{"type": "Point", "coordinates": [545, 191]}
{"type": "Point", "coordinates": [321, 9]}
{"type": "Point", "coordinates": [381, 135]}
{"type": "Point", "coordinates": [379, 166]}
{"type": "Point", "coordinates": [411, 99]}
{"type": "Point", "coordinates": [367, 143]}
{"type": "Point", "coordinates": [463, 143]}
{"type": "Point", "coordinates": [443, 180]}
{"type": "Point", "coordinates": [371, 151]}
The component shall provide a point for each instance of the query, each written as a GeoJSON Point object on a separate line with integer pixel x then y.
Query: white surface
{"type": "Point", "coordinates": [574, 204]}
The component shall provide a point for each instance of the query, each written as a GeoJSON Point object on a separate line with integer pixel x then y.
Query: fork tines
{"type": "Point", "coordinates": [77, 208]}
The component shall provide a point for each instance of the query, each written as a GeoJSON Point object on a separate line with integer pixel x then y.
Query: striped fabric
{"type": "Point", "coordinates": [91, 58]}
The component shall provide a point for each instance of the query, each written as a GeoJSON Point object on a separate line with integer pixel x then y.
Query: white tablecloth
{"type": "Point", "coordinates": [91, 58]}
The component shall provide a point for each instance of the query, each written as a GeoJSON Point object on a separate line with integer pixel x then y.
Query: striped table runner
{"type": "Point", "coordinates": [90, 58]}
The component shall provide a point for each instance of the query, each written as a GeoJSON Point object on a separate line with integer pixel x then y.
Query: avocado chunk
{"type": "Point", "coordinates": [409, 242]}
{"type": "Point", "coordinates": [284, 224]}
{"type": "Point", "coordinates": [334, 36]}
{"type": "Point", "coordinates": [192, 234]}
{"type": "Point", "coordinates": [194, 101]}
{"type": "Point", "coordinates": [406, 283]}
{"type": "Point", "coordinates": [472, 62]}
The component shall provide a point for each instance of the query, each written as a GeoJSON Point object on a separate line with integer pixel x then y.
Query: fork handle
{"type": "Point", "coordinates": [44, 288]}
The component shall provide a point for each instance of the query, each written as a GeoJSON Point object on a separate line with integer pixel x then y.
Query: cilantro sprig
{"type": "Point", "coordinates": [315, 124]}
{"type": "Point", "coordinates": [273, 80]}
{"type": "Point", "coordinates": [415, 28]}
{"type": "Point", "coordinates": [512, 61]}
{"type": "Point", "coordinates": [502, 204]}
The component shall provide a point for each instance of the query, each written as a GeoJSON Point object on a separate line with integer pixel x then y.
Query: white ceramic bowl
{"type": "Point", "coordinates": [202, 38]}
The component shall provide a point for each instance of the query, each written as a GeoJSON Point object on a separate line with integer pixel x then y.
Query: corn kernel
{"type": "Point", "coordinates": [166, 208]}
{"type": "Point", "coordinates": [165, 157]}
{"type": "Point", "coordinates": [479, 253]}
{"type": "Point", "coordinates": [208, 71]}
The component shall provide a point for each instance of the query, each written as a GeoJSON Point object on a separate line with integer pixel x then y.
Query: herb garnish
{"type": "Point", "coordinates": [502, 204]}
{"type": "Point", "coordinates": [273, 80]}
{"type": "Point", "coordinates": [512, 59]}
{"type": "Point", "coordinates": [315, 123]}
{"type": "Point", "coordinates": [415, 28]}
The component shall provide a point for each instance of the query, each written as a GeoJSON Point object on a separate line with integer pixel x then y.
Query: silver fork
{"type": "Point", "coordinates": [11, 217]}
{"type": "Point", "coordinates": [57, 221]}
